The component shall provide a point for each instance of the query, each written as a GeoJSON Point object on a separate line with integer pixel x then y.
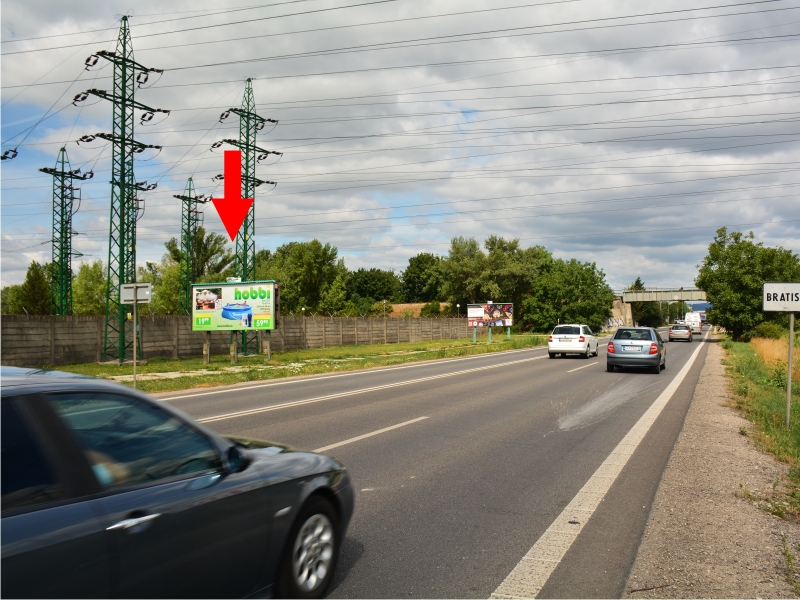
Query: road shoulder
{"type": "Point", "coordinates": [701, 539]}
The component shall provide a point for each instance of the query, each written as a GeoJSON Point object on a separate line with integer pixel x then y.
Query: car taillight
{"type": "Point", "coordinates": [551, 339]}
{"type": "Point", "coordinates": [582, 339]}
{"type": "Point", "coordinates": [610, 348]}
{"type": "Point", "coordinates": [670, 331]}
{"type": "Point", "coordinates": [653, 349]}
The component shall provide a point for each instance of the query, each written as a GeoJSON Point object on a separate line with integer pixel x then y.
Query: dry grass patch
{"type": "Point", "coordinates": [775, 352]}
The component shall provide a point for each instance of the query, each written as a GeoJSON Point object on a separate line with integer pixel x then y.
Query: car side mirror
{"type": "Point", "coordinates": [235, 460]}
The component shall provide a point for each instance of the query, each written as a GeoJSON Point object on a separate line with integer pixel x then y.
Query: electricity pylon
{"type": "Point", "coordinates": [66, 201]}
{"type": "Point", "coordinates": [191, 218]}
{"type": "Point", "coordinates": [126, 207]}
{"type": "Point", "coordinates": [250, 124]}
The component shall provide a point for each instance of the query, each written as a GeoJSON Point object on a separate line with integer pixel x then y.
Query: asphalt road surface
{"type": "Point", "coordinates": [461, 465]}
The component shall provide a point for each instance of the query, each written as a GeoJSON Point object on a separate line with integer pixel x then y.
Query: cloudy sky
{"type": "Point", "coordinates": [622, 132]}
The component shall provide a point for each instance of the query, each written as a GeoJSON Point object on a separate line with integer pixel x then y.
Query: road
{"type": "Point", "coordinates": [461, 465]}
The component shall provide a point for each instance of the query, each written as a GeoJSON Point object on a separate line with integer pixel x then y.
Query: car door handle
{"type": "Point", "coordinates": [128, 523]}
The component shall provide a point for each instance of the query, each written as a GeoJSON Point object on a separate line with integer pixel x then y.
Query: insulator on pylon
{"type": "Point", "coordinates": [79, 98]}
{"type": "Point", "coordinates": [147, 117]}
{"type": "Point", "coordinates": [224, 116]}
{"type": "Point", "coordinates": [216, 145]}
{"type": "Point", "coordinates": [218, 177]}
{"type": "Point", "coordinates": [9, 154]}
{"type": "Point", "coordinates": [86, 139]}
{"type": "Point", "coordinates": [142, 78]}
{"type": "Point", "coordinates": [91, 61]}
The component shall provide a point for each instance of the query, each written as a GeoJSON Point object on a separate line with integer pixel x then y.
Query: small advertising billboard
{"type": "Point", "coordinates": [490, 315]}
{"type": "Point", "coordinates": [235, 306]}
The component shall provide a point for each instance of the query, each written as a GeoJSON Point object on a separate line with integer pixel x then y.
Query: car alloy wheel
{"type": "Point", "coordinates": [311, 552]}
{"type": "Point", "coordinates": [588, 352]}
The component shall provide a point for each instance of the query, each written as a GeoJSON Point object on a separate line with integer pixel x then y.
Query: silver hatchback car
{"type": "Point", "coordinates": [636, 347]}
{"type": "Point", "coordinates": [680, 332]}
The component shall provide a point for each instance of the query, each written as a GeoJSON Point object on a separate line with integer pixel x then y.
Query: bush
{"type": "Point", "coordinates": [771, 331]}
{"type": "Point", "coordinates": [431, 309]}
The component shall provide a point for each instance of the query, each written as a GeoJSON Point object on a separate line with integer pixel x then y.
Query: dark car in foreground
{"type": "Point", "coordinates": [109, 493]}
{"type": "Point", "coordinates": [636, 347]}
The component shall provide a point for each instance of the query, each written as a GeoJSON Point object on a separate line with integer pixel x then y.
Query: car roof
{"type": "Point", "coordinates": [572, 325]}
{"type": "Point", "coordinates": [22, 380]}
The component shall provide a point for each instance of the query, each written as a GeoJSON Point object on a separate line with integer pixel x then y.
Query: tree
{"type": "Point", "coordinates": [646, 314]}
{"type": "Point", "coordinates": [89, 289]}
{"type": "Point", "coordinates": [422, 279]}
{"type": "Point", "coordinates": [213, 257]}
{"type": "Point", "coordinates": [568, 292]}
{"type": "Point", "coordinates": [165, 277]}
{"type": "Point", "coordinates": [9, 300]}
{"type": "Point", "coordinates": [463, 270]}
{"type": "Point", "coordinates": [34, 295]}
{"type": "Point", "coordinates": [375, 284]}
{"type": "Point", "coordinates": [732, 275]}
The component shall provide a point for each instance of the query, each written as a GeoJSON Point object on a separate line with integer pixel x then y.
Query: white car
{"type": "Point", "coordinates": [572, 339]}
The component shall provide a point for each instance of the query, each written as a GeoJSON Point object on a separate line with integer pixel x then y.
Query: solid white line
{"type": "Point", "coordinates": [584, 366]}
{"type": "Point", "coordinates": [312, 378]}
{"type": "Point", "coordinates": [531, 573]}
{"type": "Point", "coordinates": [253, 411]}
{"type": "Point", "coordinates": [366, 435]}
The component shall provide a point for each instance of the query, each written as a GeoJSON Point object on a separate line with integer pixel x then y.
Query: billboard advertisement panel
{"type": "Point", "coordinates": [249, 305]}
{"type": "Point", "coordinates": [490, 315]}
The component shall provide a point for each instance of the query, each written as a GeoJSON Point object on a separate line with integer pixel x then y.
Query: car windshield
{"type": "Point", "coordinates": [633, 334]}
{"type": "Point", "coordinates": [566, 330]}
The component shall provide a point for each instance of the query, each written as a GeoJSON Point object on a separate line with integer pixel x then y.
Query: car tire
{"type": "Point", "coordinates": [656, 370]}
{"type": "Point", "coordinates": [312, 549]}
{"type": "Point", "coordinates": [551, 354]}
{"type": "Point", "coordinates": [610, 368]}
{"type": "Point", "coordinates": [588, 352]}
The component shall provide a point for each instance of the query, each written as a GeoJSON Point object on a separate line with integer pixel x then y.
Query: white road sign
{"type": "Point", "coordinates": [142, 292]}
{"type": "Point", "coordinates": [781, 297]}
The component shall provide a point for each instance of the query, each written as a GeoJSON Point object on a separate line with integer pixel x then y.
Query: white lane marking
{"type": "Point", "coordinates": [252, 411]}
{"type": "Point", "coordinates": [426, 363]}
{"type": "Point", "coordinates": [531, 573]}
{"type": "Point", "coordinates": [597, 362]}
{"type": "Point", "coordinates": [366, 435]}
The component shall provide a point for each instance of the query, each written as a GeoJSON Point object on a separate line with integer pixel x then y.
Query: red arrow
{"type": "Point", "coordinates": [233, 208]}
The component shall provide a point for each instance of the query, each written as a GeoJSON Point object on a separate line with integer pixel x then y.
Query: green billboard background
{"type": "Point", "coordinates": [233, 306]}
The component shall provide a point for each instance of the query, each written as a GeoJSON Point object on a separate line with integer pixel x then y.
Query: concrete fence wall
{"type": "Point", "coordinates": [38, 341]}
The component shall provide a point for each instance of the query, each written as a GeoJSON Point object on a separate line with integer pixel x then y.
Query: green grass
{"type": "Point", "coordinates": [298, 362]}
{"type": "Point", "coordinates": [762, 401]}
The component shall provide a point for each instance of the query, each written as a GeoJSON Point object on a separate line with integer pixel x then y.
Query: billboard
{"type": "Point", "coordinates": [490, 315]}
{"type": "Point", "coordinates": [235, 306]}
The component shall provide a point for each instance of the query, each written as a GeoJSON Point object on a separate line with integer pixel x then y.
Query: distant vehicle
{"type": "Point", "coordinates": [680, 332]}
{"type": "Point", "coordinates": [572, 339]}
{"type": "Point", "coordinates": [636, 347]}
{"type": "Point", "coordinates": [694, 321]}
{"type": "Point", "coordinates": [107, 493]}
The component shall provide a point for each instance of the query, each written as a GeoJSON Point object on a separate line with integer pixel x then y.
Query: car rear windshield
{"type": "Point", "coordinates": [633, 334]}
{"type": "Point", "coordinates": [680, 327]}
{"type": "Point", "coordinates": [566, 330]}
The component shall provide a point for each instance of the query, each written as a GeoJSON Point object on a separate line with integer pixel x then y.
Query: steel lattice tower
{"type": "Point", "coordinates": [125, 206]}
{"type": "Point", "coordinates": [250, 124]}
{"type": "Point", "coordinates": [191, 218]}
{"type": "Point", "coordinates": [66, 200]}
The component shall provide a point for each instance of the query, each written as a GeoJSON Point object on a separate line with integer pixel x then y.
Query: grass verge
{"type": "Point", "coordinates": [164, 374]}
{"type": "Point", "coordinates": [758, 383]}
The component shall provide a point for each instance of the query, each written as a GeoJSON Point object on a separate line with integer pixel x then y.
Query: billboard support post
{"type": "Point", "coordinates": [207, 347]}
{"type": "Point", "coordinates": [474, 334]}
{"type": "Point", "coordinates": [508, 333]}
{"type": "Point", "coordinates": [490, 333]}
{"type": "Point", "coordinates": [268, 345]}
{"type": "Point", "coordinates": [784, 297]}
{"type": "Point", "coordinates": [234, 350]}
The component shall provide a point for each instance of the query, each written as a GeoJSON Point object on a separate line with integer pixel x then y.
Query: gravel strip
{"type": "Point", "coordinates": [701, 540]}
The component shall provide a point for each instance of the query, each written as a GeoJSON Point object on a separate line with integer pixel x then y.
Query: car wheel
{"type": "Point", "coordinates": [588, 352]}
{"type": "Point", "coordinates": [690, 339]}
{"type": "Point", "coordinates": [311, 552]}
{"type": "Point", "coordinates": [609, 368]}
{"type": "Point", "coordinates": [656, 370]}
{"type": "Point", "coordinates": [551, 354]}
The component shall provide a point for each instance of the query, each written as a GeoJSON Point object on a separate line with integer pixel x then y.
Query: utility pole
{"type": "Point", "coordinates": [250, 124]}
{"type": "Point", "coordinates": [191, 218]}
{"type": "Point", "coordinates": [126, 207]}
{"type": "Point", "coordinates": [65, 195]}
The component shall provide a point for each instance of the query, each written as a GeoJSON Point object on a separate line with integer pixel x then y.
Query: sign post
{"type": "Point", "coordinates": [784, 297]}
{"type": "Point", "coordinates": [135, 293]}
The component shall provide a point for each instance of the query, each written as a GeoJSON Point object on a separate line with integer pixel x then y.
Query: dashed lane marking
{"type": "Point", "coordinates": [597, 362]}
{"type": "Point", "coordinates": [527, 579]}
{"type": "Point", "coordinates": [367, 435]}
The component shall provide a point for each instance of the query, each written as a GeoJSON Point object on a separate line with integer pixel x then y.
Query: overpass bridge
{"type": "Point", "coordinates": [663, 295]}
